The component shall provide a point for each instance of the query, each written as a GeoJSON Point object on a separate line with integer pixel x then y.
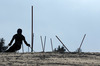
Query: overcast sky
{"type": "Point", "coordinates": [68, 19]}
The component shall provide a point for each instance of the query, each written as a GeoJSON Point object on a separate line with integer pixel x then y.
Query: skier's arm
{"type": "Point", "coordinates": [26, 42]}
{"type": "Point", "coordinates": [11, 41]}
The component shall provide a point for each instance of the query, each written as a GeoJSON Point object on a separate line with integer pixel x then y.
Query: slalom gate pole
{"type": "Point", "coordinates": [42, 43]}
{"type": "Point", "coordinates": [32, 32]}
{"type": "Point", "coordinates": [51, 44]}
{"type": "Point", "coordinates": [82, 42]}
{"type": "Point", "coordinates": [28, 49]}
{"type": "Point", "coordinates": [62, 44]}
{"type": "Point", "coordinates": [22, 48]}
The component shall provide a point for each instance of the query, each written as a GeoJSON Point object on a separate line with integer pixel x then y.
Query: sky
{"type": "Point", "coordinates": [68, 19]}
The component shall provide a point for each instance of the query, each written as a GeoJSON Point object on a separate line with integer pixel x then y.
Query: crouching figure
{"type": "Point", "coordinates": [19, 38]}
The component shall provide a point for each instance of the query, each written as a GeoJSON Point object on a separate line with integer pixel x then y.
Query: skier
{"type": "Point", "coordinates": [18, 42]}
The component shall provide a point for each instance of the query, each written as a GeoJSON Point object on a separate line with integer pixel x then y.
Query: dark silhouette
{"type": "Point", "coordinates": [2, 47]}
{"type": "Point", "coordinates": [60, 49]}
{"type": "Point", "coordinates": [18, 42]}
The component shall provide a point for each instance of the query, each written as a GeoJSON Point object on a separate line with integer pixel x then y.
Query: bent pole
{"type": "Point", "coordinates": [62, 44]}
{"type": "Point", "coordinates": [82, 42]}
{"type": "Point", "coordinates": [32, 32]}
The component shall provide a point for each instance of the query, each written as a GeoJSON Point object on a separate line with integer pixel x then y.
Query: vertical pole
{"type": "Point", "coordinates": [32, 32]}
{"type": "Point", "coordinates": [22, 48]}
{"type": "Point", "coordinates": [81, 42]}
{"type": "Point", "coordinates": [28, 49]}
{"type": "Point", "coordinates": [51, 44]}
{"type": "Point", "coordinates": [44, 43]}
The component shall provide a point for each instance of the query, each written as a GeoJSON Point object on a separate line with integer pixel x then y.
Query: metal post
{"type": "Point", "coordinates": [32, 32]}
{"type": "Point", "coordinates": [81, 42]}
{"type": "Point", "coordinates": [42, 43]}
{"type": "Point", "coordinates": [28, 49]}
{"type": "Point", "coordinates": [22, 48]}
{"type": "Point", "coordinates": [51, 44]}
{"type": "Point", "coordinates": [62, 43]}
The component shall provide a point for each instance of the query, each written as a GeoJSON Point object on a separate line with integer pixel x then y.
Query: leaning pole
{"type": "Point", "coordinates": [62, 44]}
{"type": "Point", "coordinates": [82, 42]}
{"type": "Point", "coordinates": [32, 32]}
